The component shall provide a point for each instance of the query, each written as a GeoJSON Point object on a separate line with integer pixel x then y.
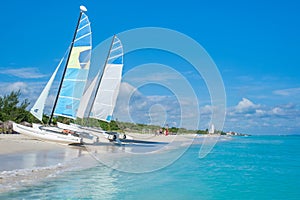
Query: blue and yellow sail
{"type": "Point", "coordinates": [77, 71]}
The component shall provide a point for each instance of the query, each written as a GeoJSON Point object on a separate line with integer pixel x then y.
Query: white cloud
{"type": "Point", "coordinates": [27, 73]}
{"type": "Point", "coordinates": [206, 110]}
{"type": "Point", "coordinates": [29, 90]}
{"type": "Point", "coordinates": [126, 89]}
{"type": "Point", "coordinates": [260, 112]}
{"type": "Point", "coordinates": [246, 116]}
{"type": "Point", "coordinates": [17, 86]}
{"type": "Point", "coordinates": [277, 111]}
{"type": "Point", "coordinates": [252, 118]}
{"type": "Point", "coordinates": [288, 92]}
{"type": "Point", "coordinates": [136, 107]}
{"type": "Point", "coordinates": [246, 106]}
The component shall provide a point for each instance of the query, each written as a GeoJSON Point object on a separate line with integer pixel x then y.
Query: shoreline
{"type": "Point", "coordinates": [26, 161]}
{"type": "Point", "coordinates": [18, 143]}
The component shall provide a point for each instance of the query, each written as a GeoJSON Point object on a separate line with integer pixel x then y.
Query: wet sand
{"type": "Point", "coordinates": [18, 143]}
{"type": "Point", "coordinates": [26, 161]}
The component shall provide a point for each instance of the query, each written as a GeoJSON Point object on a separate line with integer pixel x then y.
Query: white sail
{"type": "Point", "coordinates": [108, 90]}
{"type": "Point", "coordinates": [86, 97]}
{"type": "Point", "coordinates": [38, 108]}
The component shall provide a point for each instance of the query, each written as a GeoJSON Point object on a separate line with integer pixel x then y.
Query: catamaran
{"type": "Point", "coordinates": [102, 92]}
{"type": "Point", "coordinates": [70, 90]}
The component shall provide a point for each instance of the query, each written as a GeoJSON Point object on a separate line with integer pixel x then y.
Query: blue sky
{"type": "Point", "coordinates": [254, 44]}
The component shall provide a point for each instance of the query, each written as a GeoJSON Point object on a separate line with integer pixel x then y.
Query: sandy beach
{"type": "Point", "coordinates": [18, 143]}
{"type": "Point", "coordinates": [162, 137]}
{"type": "Point", "coordinates": [26, 161]}
{"type": "Point", "coordinates": [142, 153]}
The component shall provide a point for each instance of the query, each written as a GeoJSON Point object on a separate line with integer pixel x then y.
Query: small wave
{"type": "Point", "coordinates": [15, 179]}
{"type": "Point", "coordinates": [19, 178]}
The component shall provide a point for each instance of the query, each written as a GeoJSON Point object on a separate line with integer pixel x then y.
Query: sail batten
{"type": "Point", "coordinates": [83, 18]}
{"type": "Point", "coordinates": [70, 97]}
{"type": "Point", "coordinates": [83, 37]}
{"type": "Point", "coordinates": [83, 27]}
{"type": "Point", "coordinates": [75, 80]}
{"type": "Point", "coordinates": [113, 57]}
{"type": "Point", "coordinates": [108, 90]}
{"type": "Point", "coordinates": [116, 49]}
{"type": "Point", "coordinates": [77, 71]}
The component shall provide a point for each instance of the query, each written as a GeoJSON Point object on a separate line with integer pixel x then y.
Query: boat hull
{"type": "Point", "coordinates": [101, 134]}
{"type": "Point", "coordinates": [46, 135]}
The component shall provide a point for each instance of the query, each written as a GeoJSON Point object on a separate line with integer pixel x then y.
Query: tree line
{"type": "Point", "coordinates": [12, 109]}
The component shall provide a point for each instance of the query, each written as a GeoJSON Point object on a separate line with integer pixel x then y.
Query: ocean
{"type": "Point", "coordinates": [254, 167]}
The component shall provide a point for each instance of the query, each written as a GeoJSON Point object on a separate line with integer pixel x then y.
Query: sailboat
{"type": "Point", "coordinates": [70, 90]}
{"type": "Point", "coordinates": [102, 94]}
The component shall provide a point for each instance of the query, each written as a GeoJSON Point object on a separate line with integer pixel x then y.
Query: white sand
{"type": "Point", "coordinates": [24, 155]}
{"type": "Point", "coordinates": [161, 138]}
{"type": "Point", "coordinates": [17, 143]}
{"type": "Point", "coordinates": [25, 161]}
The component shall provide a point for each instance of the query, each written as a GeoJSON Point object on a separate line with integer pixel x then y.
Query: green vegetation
{"type": "Point", "coordinates": [202, 131]}
{"type": "Point", "coordinates": [12, 109]}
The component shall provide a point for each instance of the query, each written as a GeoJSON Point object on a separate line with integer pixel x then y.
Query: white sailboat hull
{"type": "Point", "coordinates": [101, 134]}
{"type": "Point", "coordinates": [72, 127]}
{"type": "Point", "coordinates": [46, 135]}
{"type": "Point", "coordinates": [107, 134]}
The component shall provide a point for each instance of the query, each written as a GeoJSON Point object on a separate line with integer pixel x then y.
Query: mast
{"type": "Point", "coordinates": [97, 88]}
{"type": "Point", "coordinates": [82, 9]}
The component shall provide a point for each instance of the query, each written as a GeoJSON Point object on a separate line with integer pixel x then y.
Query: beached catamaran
{"type": "Point", "coordinates": [70, 90]}
{"type": "Point", "coordinates": [99, 100]}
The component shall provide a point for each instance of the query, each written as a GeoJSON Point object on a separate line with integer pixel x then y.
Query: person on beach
{"type": "Point", "coordinates": [167, 130]}
{"type": "Point", "coordinates": [156, 132]}
{"type": "Point", "coordinates": [160, 131]}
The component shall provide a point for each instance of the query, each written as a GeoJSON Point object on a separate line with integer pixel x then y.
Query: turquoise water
{"type": "Point", "coordinates": [256, 167]}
